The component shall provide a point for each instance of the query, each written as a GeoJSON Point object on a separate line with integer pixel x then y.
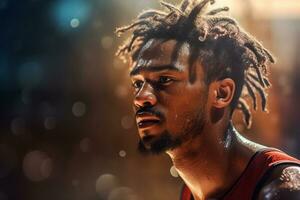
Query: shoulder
{"type": "Point", "coordinates": [283, 183]}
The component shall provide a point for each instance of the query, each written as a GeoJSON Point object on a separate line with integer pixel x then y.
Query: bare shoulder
{"type": "Point", "coordinates": [284, 183]}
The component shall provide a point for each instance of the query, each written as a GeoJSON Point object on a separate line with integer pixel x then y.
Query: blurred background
{"type": "Point", "coordinates": [67, 130]}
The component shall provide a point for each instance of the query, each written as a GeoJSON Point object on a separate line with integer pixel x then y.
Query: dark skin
{"type": "Point", "coordinates": [209, 158]}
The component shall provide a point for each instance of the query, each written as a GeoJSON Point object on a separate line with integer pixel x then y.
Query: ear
{"type": "Point", "coordinates": [223, 91]}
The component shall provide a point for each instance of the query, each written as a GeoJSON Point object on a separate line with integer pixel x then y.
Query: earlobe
{"type": "Point", "coordinates": [223, 92]}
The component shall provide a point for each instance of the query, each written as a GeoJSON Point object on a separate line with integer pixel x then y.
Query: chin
{"type": "Point", "coordinates": [158, 143]}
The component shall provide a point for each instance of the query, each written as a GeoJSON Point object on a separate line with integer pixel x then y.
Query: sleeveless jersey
{"type": "Point", "coordinates": [261, 163]}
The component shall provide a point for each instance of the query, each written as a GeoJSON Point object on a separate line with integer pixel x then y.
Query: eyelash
{"type": "Point", "coordinates": [162, 81]}
{"type": "Point", "coordinates": [165, 80]}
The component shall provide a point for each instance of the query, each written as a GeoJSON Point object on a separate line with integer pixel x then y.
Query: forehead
{"type": "Point", "coordinates": [157, 52]}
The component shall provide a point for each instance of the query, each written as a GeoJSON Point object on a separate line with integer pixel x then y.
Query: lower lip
{"type": "Point", "coordinates": [147, 124]}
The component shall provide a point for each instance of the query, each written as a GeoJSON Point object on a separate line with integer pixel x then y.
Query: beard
{"type": "Point", "coordinates": [193, 125]}
{"type": "Point", "coordinates": [163, 143]}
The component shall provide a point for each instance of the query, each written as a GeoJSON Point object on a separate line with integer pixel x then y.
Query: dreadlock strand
{"type": "Point", "coordinates": [190, 5]}
{"type": "Point", "coordinates": [224, 20]}
{"type": "Point", "coordinates": [121, 50]}
{"type": "Point", "coordinates": [270, 56]}
{"type": "Point", "coordinates": [142, 29]}
{"type": "Point", "coordinates": [171, 18]}
{"type": "Point", "coordinates": [128, 45]}
{"type": "Point", "coordinates": [259, 75]}
{"type": "Point", "coordinates": [218, 31]}
{"type": "Point", "coordinates": [133, 39]}
{"type": "Point", "coordinates": [150, 13]}
{"type": "Point", "coordinates": [257, 49]}
{"type": "Point", "coordinates": [166, 21]}
{"type": "Point", "coordinates": [184, 5]}
{"type": "Point", "coordinates": [267, 82]}
{"type": "Point", "coordinates": [120, 31]}
{"type": "Point", "coordinates": [252, 94]}
{"type": "Point", "coordinates": [202, 31]}
{"type": "Point", "coordinates": [261, 93]}
{"type": "Point", "coordinates": [265, 79]}
{"type": "Point", "coordinates": [171, 7]}
{"type": "Point", "coordinates": [197, 9]}
{"type": "Point", "coordinates": [218, 10]}
{"type": "Point", "coordinates": [226, 23]}
{"type": "Point", "coordinates": [243, 106]}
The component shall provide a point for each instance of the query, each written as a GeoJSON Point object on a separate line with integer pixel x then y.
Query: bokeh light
{"type": "Point", "coordinates": [50, 123]}
{"type": "Point", "coordinates": [122, 193]}
{"type": "Point", "coordinates": [127, 122]}
{"type": "Point", "coordinates": [37, 166]}
{"type": "Point", "coordinates": [74, 23]}
{"type": "Point", "coordinates": [173, 172]}
{"type": "Point", "coordinates": [121, 91]}
{"type": "Point", "coordinates": [75, 182]}
{"type": "Point", "coordinates": [69, 14]}
{"type": "Point", "coordinates": [105, 184]}
{"type": "Point", "coordinates": [79, 109]}
{"type": "Point", "coordinates": [18, 126]}
{"type": "Point", "coordinates": [85, 145]}
{"type": "Point", "coordinates": [122, 153]}
{"type": "Point", "coordinates": [107, 42]}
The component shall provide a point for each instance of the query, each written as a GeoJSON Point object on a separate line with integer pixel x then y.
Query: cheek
{"type": "Point", "coordinates": [180, 122]}
{"type": "Point", "coordinates": [183, 110]}
{"type": "Point", "coordinates": [183, 102]}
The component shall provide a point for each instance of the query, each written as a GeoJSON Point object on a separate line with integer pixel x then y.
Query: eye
{"type": "Point", "coordinates": [165, 80]}
{"type": "Point", "coordinates": [137, 85]}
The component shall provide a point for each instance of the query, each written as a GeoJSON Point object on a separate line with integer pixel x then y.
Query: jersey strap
{"type": "Point", "coordinates": [261, 162]}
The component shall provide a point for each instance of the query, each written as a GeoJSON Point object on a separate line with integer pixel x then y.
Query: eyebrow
{"type": "Point", "coordinates": [138, 69]}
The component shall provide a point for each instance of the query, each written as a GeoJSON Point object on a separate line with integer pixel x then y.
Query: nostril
{"type": "Point", "coordinates": [144, 103]}
{"type": "Point", "coordinates": [147, 104]}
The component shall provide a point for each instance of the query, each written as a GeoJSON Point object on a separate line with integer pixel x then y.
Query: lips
{"type": "Point", "coordinates": [146, 120]}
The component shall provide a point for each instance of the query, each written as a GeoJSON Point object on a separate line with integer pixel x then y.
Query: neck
{"type": "Point", "coordinates": [210, 163]}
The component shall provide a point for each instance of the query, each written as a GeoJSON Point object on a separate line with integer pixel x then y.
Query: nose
{"type": "Point", "coordinates": [145, 96]}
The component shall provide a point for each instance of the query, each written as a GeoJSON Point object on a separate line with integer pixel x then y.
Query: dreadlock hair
{"type": "Point", "coordinates": [223, 47]}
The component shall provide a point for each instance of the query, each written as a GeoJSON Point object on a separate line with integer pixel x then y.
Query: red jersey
{"type": "Point", "coordinates": [257, 170]}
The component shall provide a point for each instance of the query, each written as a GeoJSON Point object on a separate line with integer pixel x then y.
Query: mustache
{"type": "Point", "coordinates": [149, 110]}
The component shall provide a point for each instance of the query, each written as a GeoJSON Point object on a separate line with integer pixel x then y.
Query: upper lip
{"type": "Point", "coordinates": [146, 116]}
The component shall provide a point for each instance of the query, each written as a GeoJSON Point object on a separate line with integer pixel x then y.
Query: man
{"type": "Point", "coordinates": [191, 68]}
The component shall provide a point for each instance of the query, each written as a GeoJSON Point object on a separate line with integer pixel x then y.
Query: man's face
{"type": "Point", "coordinates": [169, 108]}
